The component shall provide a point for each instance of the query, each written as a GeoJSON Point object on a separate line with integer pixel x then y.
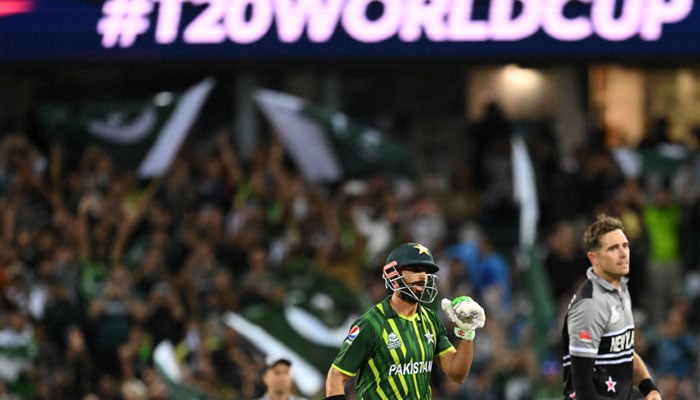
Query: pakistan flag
{"type": "Point", "coordinates": [307, 328]}
{"type": "Point", "coordinates": [327, 145]}
{"type": "Point", "coordinates": [141, 134]}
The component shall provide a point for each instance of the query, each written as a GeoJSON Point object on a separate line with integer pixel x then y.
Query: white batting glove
{"type": "Point", "coordinates": [466, 314]}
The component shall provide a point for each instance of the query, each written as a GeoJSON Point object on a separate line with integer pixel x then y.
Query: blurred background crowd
{"type": "Point", "coordinates": [97, 267]}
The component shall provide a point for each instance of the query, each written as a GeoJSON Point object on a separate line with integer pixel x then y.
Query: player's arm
{"type": "Point", "coordinates": [335, 384]}
{"type": "Point", "coordinates": [586, 323]}
{"type": "Point", "coordinates": [457, 363]}
{"type": "Point", "coordinates": [467, 316]}
{"type": "Point", "coordinates": [582, 377]}
{"type": "Point", "coordinates": [642, 379]}
{"type": "Point", "coordinates": [354, 352]}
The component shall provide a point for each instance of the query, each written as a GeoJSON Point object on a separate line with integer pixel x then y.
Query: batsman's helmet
{"type": "Point", "coordinates": [405, 255]}
{"type": "Point", "coordinates": [413, 254]}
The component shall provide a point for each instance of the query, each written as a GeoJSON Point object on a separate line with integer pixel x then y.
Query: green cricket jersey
{"type": "Point", "coordinates": [393, 354]}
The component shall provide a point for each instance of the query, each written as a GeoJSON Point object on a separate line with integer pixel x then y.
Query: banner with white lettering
{"type": "Point", "coordinates": [143, 29]}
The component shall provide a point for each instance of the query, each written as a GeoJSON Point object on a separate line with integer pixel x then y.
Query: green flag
{"type": "Point", "coordinates": [138, 134]}
{"type": "Point", "coordinates": [525, 193]}
{"type": "Point", "coordinates": [308, 328]}
{"type": "Point", "coordinates": [328, 146]}
{"type": "Point", "coordinates": [170, 371]}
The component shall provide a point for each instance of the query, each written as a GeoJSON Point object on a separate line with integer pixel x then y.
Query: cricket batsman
{"type": "Point", "coordinates": [394, 345]}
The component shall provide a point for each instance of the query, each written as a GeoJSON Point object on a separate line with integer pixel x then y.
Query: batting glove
{"type": "Point", "coordinates": [466, 314]}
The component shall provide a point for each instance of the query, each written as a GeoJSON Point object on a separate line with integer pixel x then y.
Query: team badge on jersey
{"type": "Point", "coordinates": [354, 331]}
{"type": "Point", "coordinates": [393, 341]}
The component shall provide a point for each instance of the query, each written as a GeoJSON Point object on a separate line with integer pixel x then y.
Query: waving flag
{"type": "Point", "coordinates": [171, 372]}
{"type": "Point", "coordinates": [145, 134]}
{"type": "Point", "coordinates": [525, 193]}
{"type": "Point", "coordinates": [328, 146]}
{"type": "Point", "coordinates": [308, 328]}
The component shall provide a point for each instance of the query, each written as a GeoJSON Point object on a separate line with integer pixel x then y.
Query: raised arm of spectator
{"type": "Point", "coordinates": [125, 229]}
{"type": "Point", "coordinates": [229, 157]}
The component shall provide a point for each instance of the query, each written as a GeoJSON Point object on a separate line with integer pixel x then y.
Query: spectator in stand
{"type": "Point", "coordinates": [196, 276]}
{"type": "Point", "coordinates": [111, 316]}
{"type": "Point", "coordinates": [258, 285]}
{"type": "Point", "coordinates": [157, 389]}
{"type": "Point", "coordinates": [224, 296]}
{"type": "Point", "coordinates": [425, 221]}
{"type": "Point", "coordinates": [491, 132]}
{"type": "Point", "coordinates": [18, 352]}
{"type": "Point", "coordinates": [674, 347]}
{"type": "Point", "coordinates": [134, 389]}
{"type": "Point", "coordinates": [565, 262]}
{"type": "Point", "coordinates": [166, 314]}
{"type": "Point", "coordinates": [488, 272]}
{"type": "Point", "coordinates": [548, 384]}
{"type": "Point", "coordinates": [277, 379]}
{"type": "Point", "coordinates": [234, 363]}
{"type": "Point", "coordinates": [628, 205]}
{"type": "Point", "coordinates": [78, 363]}
{"type": "Point", "coordinates": [661, 216]}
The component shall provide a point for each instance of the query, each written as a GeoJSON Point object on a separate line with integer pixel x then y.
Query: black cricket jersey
{"type": "Point", "coordinates": [599, 324]}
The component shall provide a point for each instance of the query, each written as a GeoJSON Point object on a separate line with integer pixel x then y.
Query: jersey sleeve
{"type": "Point", "coordinates": [586, 325]}
{"type": "Point", "coordinates": [444, 344]}
{"type": "Point", "coordinates": [357, 347]}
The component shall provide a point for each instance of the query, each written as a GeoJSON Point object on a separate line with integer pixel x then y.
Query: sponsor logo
{"type": "Point", "coordinates": [614, 315]}
{"type": "Point", "coordinates": [354, 331]}
{"type": "Point", "coordinates": [412, 368]}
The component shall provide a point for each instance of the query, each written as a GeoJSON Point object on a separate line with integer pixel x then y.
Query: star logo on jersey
{"type": "Point", "coordinates": [430, 337]}
{"type": "Point", "coordinates": [421, 249]}
{"type": "Point", "coordinates": [611, 384]}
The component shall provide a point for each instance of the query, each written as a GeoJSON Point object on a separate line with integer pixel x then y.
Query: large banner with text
{"type": "Point", "coordinates": [94, 30]}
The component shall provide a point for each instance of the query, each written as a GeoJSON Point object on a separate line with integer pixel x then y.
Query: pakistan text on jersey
{"type": "Point", "coordinates": [418, 367]}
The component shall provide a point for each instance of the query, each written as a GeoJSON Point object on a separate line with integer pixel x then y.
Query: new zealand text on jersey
{"type": "Point", "coordinates": [623, 341]}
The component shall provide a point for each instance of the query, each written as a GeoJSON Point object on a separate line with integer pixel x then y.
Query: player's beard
{"type": "Point", "coordinates": [406, 290]}
{"type": "Point", "coordinates": [407, 297]}
{"type": "Point", "coordinates": [423, 290]}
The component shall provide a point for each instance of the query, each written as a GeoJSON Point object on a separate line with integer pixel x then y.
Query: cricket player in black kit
{"type": "Point", "coordinates": [598, 334]}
